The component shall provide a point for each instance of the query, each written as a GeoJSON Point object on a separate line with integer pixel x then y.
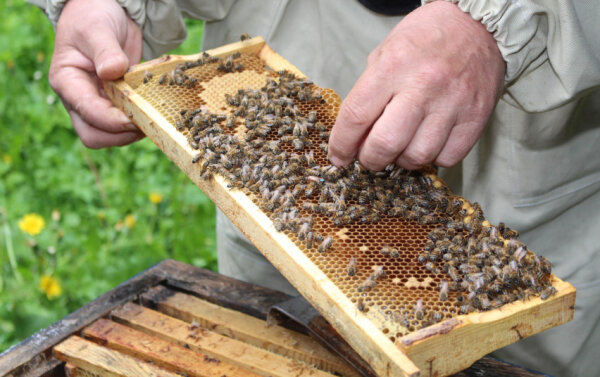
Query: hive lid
{"type": "Point", "coordinates": [380, 323]}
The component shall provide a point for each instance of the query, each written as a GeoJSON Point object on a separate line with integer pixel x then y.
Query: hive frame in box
{"type": "Point", "coordinates": [441, 349]}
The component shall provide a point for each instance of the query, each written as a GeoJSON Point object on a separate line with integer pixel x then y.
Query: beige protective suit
{"type": "Point", "coordinates": [536, 167]}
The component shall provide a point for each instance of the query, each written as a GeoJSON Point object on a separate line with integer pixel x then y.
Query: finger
{"type": "Point", "coordinates": [461, 140]}
{"type": "Point", "coordinates": [364, 104]}
{"type": "Point", "coordinates": [101, 44]}
{"type": "Point", "coordinates": [80, 92]}
{"type": "Point", "coordinates": [391, 133]}
{"type": "Point", "coordinates": [95, 138]}
{"type": "Point", "coordinates": [427, 142]}
{"type": "Point", "coordinates": [133, 43]}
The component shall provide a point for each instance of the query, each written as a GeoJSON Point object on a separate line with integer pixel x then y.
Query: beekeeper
{"type": "Point", "coordinates": [505, 92]}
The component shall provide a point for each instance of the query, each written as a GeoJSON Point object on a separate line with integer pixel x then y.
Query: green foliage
{"type": "Point", "coordinates": [101, 227]}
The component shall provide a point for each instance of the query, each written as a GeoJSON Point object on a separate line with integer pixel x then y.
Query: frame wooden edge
{"type": "Point", "coordinates": [503, 326]}
{"type": "Point", "coordinates": [135, 73]}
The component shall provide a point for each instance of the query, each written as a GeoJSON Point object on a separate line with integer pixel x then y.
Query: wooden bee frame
{"type": "Point", "coordinates": [437, 350]}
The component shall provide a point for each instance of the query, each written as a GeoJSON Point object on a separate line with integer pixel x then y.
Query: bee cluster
{"type": "Point", "coordinates": [485, 263]}
{"type": "Point", "coordinates": [272, 144]}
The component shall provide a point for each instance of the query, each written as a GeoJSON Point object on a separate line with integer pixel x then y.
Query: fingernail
{"type": "Point", "coordinates": [123, 118]}
{"type": "Point", "coordinates": [131, 127]}
{"type": "Point", "coordinates": [337, 161]}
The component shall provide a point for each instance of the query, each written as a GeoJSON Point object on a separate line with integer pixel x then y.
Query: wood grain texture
{"type": "Point", "coordinates": [385, 358]}
{"type": "Point", "coordinates": [245, 328]}
{"type": "Point", "coordinates": [73, 371]}
{"type": "Point", "coordinates": [215, 345]}
{"type": "Point", "coordinates": [105, 362]}
{"type": "Point", "coordinates": [34, 354]}
{"type": "Point", "coordinates": [170, 356]}
{"type": "Point", "coordinates": [479, 332]}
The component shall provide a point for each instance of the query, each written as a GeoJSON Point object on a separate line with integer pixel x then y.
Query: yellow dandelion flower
{"type": "Point", "coordinates": [32, 224]}
{"type": "Point", "coordinates": [50, 286]}
{"type": "Point", "coordinates": [7, 159]}
{"type": "Point", "coordinates": [155, 197]}
{"type": "Point", "coordinates": [129, 221]}
{"type": "Point", "coordinates": [101, 215]}
{"type": "Point", "coordinates": [40, 56]}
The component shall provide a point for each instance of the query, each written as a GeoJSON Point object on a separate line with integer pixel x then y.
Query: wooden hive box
{"type": "Point", "coordinates": [175, 319]}
{"type": "Point", "coordinates": [392, 350]}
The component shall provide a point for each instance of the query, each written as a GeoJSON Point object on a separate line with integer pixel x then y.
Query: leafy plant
{"type": "Point", "coordinates": [108, 214]}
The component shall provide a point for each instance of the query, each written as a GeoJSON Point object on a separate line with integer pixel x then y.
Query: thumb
{"type": "Point", "coordinates": [110, 60]}
{"type": "Point", "coordinates": [103, 47]}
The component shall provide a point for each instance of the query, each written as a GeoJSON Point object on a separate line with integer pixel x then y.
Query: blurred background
{"type": "Point", "coordinates": [74, 222]}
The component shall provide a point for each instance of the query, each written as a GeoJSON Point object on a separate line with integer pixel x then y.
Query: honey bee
{"type": "Point", "coordinates": [300, 129]}
{"type": "Point", "coordinates": [310, 158]}
{"type": "Point", "coordinates": [326, 244]}
{"type": "Point", "coordinates": [304, 229]}
{"type": "Point", "coordinates": [419, 310]}
{"type": "Point", "coordinates": [309, 240]}
{"type": "Point", "coordinates": [430, 266]}
{"type": "Point", "coordinates": [368, 284]}
{"type": "Point", "coordinates": [444, 290]}
{"type": "Point", "coordinates": [520, 253]}
{"type": "Point", "coordinates": [453, 273]}
{"type": "Point", "coordinates": [482, 301]}
{"type": "Point", "coordinates": [163, 79]}
{"type": "Point", "coordinates": [378, 273]}
{"type": "Point", "coordinates": [360, 305]}
{"type": "Point", "coordinates": [548, 292]}
{"type": "Point", "coordinates": [386, 250]}
{"type": "Point", "coordinates": [324, 147]}
{"type": "Point", "coordinates": [352, 266]}
{"type": "Point", "coordinates": [147, 76]}
{"type": "Point", "coordinates": [466, 309]}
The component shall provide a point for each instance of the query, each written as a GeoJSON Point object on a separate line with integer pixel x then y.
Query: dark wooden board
{"type": "Point", "coordinates": [33, 356]}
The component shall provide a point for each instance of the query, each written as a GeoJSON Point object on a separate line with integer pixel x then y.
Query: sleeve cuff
{"type": "Point", "coordinates": [520, 32]}
{"type": "Point", "coordinates": [136, 9]}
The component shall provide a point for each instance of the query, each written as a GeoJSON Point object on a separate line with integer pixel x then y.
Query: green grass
{"type": "Point", "coordinates": [83, 195]}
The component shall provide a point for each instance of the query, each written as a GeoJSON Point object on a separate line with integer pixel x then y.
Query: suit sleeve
{"type": "Point", "coordinates": [161, 22]}
{"type": "Point", "coordinates": [551, 47]}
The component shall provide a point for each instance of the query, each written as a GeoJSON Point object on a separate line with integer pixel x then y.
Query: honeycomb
{"type": "Point", "coordinates": [398, 289]}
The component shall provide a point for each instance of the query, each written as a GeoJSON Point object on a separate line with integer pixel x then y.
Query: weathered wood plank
{"type": "Point", "coordinates": [103, 361]}
{"type": "Point", "coordinates": [222, 290]}
{"type": "Point", "coordinates": [248, 329]}
{"type": "Point", "coordinates": [34, 356]}
{"type": "Point", "coordinates": [161, 352]}
{"type": "Point", "coordinates": [198, 339]}
{"type": "Point", "coordinates": [73, 371]}
{"type": "Point", "coordinates": [31, 355]}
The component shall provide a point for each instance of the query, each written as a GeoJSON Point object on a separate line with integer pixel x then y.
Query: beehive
{"type": "Point", "coordinates": [176, 333]}
{"type": "Point", "coordinates": [369, 319]}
